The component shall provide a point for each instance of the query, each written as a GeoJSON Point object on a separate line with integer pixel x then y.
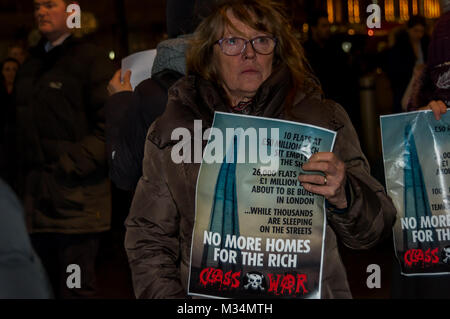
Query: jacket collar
{"type": "Point", "coordinates": [40, 51]}
{"type": "Point", "coordinates": [49, 46]}
{"type": "Point", "coordinates": [268, 101]}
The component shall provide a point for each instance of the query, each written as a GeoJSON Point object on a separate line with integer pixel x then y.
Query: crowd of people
{"type": "Point", "coordinates": [70, 125]}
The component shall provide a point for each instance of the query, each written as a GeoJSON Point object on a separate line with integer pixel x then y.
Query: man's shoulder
{"type": "Point", "coordinates": [72, 47]}
{"type": "Point", "coordinates": [86, 49]}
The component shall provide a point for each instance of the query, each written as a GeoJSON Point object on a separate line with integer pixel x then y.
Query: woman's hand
{"type": "Point", "coordinates": [116, 86]}
{"type": "Point", "coordinates": [438, 108]}
{"type": "Point", "coordinates": [332, 185]}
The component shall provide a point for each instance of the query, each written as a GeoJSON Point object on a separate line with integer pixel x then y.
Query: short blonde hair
{"type": "Point", "coordinates": [262, 15]}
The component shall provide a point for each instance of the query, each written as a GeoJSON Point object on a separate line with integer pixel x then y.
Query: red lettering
{"type": "Point", "coordinates": [434, 256]}
{"type": "Point", "coordinates": [217, 276]}
{"type": "Point", "coordinates": [427, 257]}
{"type": "Point", "coordinates": [301, 279]}
{"type": "Point", "coordinates": [235, 278]}
{"type": "Point", "coordinates": [287, 283]}
{"type": "Point", "coordinates": [407, 258]}
{"type": "Point", "coordinates": [227, 279]}
{"type": "Point", "coordinates": [204, 276]}
{"type": "Point", "coordinates": [419, 257]}
{"type": "Point", "coordinates": [212, 276]}
{"type": "Point", "coordinates": [273, 285]}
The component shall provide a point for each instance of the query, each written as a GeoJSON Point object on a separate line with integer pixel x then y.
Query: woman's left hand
{"type": "Point", "coordinates": [438, 107]}
{"type": "Point", "coordinates": [332, 185]}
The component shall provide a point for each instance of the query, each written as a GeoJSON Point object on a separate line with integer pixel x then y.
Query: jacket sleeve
{"type": "Point", "coordinates": [116, 108]}
{"type": "Point", "coordinates": [86, 156]}
{"type": "Point", "coordinates": [152, 236]}
{"type": "Point", "coordinates": [371, 213]}
{"type": "Point", "coordinates": [129, 115]}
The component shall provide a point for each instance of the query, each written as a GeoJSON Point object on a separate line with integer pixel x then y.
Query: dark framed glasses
{"type": "Point", "coordinates": [234, 46]}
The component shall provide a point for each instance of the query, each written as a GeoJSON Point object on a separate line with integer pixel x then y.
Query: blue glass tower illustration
{"type": "Point", "coordinates": [224, 212]}
{"type": "Point", "coordinates": [415, 197]}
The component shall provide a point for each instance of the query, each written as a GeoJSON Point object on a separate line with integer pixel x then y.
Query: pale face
{"type": "Point", "coordinates": [9, 72]}
{"type": "Point", "coordinates": [17, 53]}
{"type": "Point", "coordinates": [322, 30]}
{"type": "Point", "coordinates": [243, 74]}
{"type": "Point", "coordinates": [416, 33]}
{"type": "Point", "coordinates": [51, 17]}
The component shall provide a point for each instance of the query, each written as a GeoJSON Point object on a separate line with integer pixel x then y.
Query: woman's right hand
{"type": "Point", "coordinates": [438, 108]}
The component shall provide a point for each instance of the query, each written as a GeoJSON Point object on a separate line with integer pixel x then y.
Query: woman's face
{"type": "Point", "coordinates": [242, 74]}
{"type": "Point", "coordinates": [9, 71]}
{"type": "Point", "coordinates": [416, 33]}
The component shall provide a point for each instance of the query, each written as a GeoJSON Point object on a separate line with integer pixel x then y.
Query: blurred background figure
{"type": "Point", "coordinates": [18, 51]}
{"type": "Point", "coordinates": [433, 83]}
{"type": "Point", "coordinates": [60, 94]}
{"type": "Point", "coordinates": [431, 91]}
{"type": "Point", "coordinates": [130, 113]}
{"type": "Point", "coordinates": [21, 273]}
{"type": "Point", "coordinates": [331, 64]}
{"type": "Point", "coordinates": [9, 69]}
{"type": "Point", "coordinates": [409, 53]}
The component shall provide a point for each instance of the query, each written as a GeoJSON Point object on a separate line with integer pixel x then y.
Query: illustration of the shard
{"type": "Point", "coordinates": [415, 197]}
{"type": "Point", "coordinates": [224, 213]}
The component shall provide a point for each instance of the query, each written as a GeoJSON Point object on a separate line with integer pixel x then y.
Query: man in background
{"type": "Point", "coordinates": [60, 92]}
{"type": "Point", "coordinates": [17, 50]}
{"type": "Point", "coordinates": [331, 65]}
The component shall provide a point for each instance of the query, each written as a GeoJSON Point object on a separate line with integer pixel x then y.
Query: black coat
{"type": "Point", "coordinates": [60, 98]}
{"type": "Point", "coordinates": [400, 66]}
{"type": "Point", "coordinates": [5, 126]}
{"type": "Point", "coordinates": [128, 117]}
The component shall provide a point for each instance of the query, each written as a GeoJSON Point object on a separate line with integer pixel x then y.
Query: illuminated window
{"type": "Point", "coordinates": [404, 10]}
{"type": "Point", "coordinates": [415, 8]}
{"type": "Point", "coordinates": [431, 9]}
{"type": "Point", "coordinates": [330, 10]}
{"type": "Point", "coordinates": [389, 10]}
{"type": "Point", "coordinates": [351, 17]}
{"type": "Point", "coordinates": [353, 11]}
{"type": "Point", "coordinates": [356, 11]}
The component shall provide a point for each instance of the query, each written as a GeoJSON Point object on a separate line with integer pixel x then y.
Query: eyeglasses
{"type": "Point", "coordinates": [234, 46]}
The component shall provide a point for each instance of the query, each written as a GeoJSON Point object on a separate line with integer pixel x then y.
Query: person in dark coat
{"type": "Point", "coordinates": [409, 51]}
{"type": "Point", "coordinates": [129, 114]}
{"type": "Point", "coordinates": [434, 84]}
{"type": "Point", "coordinates": [8, 68]}
{"type": "Point", "coordinates": [331, 65]}
{"type": "Point", "coordinates": [260, 76]}
{"type": "Point", "coordinates": [22, 275]}
{"type": "Point", "coordinates": [434, 94]}
{"type": "Point", "coordinates": [60, 95]}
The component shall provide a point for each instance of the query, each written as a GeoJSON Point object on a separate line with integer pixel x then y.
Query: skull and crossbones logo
{"type": "Point", "coordinates": [255, 281]}
{"type": "Point", "coordinates": [446, 255]}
